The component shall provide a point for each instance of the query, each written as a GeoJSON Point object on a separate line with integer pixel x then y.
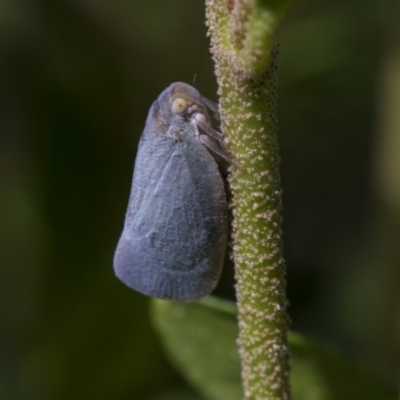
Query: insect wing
{"type": "Point", "coordinates": [175, 232]}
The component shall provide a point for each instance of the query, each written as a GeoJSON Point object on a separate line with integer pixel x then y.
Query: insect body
{"type": "Point", "coordinates": [174, 238]}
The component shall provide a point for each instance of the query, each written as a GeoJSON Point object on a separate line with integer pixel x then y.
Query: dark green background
{"type": "Point", "coordinates": [77, 78]}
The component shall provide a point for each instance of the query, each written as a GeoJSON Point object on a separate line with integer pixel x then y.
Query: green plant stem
{"type": "Point", "coordinates": [248, 115]}
{"type": "Point", "coordinates": [253, 25]}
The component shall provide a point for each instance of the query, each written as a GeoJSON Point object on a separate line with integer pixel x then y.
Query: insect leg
{"type": "Point", "coordinates": [201, 121]}
{"type": "Point", "coordinates": [210, 144]}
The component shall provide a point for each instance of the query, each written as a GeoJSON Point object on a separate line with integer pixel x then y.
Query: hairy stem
{"type": "Point", "coordinates": [248, 114]}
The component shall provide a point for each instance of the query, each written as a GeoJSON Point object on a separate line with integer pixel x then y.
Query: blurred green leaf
{"type": "Point", "coordinates": [178, 394]}
{"type": "Point", "coordinates": [201, 340]}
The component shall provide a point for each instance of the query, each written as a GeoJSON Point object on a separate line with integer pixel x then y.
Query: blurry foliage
{"type": "Point", "coordinates": [201, 341]}
{"type": "Point", "coordinates": [77, 79]}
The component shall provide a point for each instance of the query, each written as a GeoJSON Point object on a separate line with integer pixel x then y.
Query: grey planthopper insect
{"type": "Point", "coordinates": [175, 234]}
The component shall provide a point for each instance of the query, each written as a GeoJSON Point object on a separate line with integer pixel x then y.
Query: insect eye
{"type": "Point", "coordinates": [179, 106]}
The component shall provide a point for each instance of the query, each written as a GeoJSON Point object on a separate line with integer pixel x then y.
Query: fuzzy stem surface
{"type": "Point", "coordinates": [248, 115]}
